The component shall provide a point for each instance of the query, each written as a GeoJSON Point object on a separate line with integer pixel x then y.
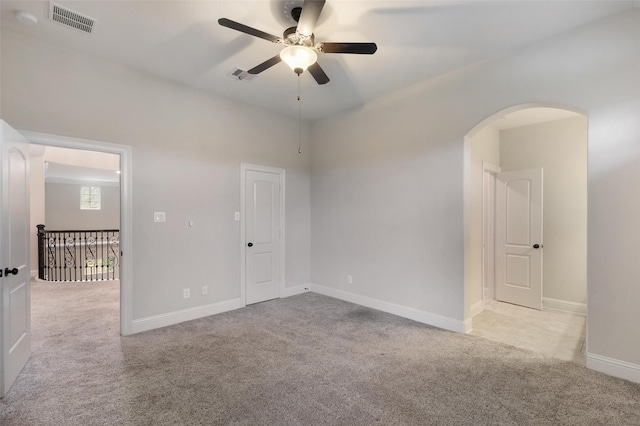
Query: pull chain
{"type": "Point", "coordinates": [299, 119]}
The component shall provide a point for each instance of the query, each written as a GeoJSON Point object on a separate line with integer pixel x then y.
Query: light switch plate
{"type": "Point", "coordinates": [236, 216]}
{"type": "Point", "coordinates": [159, 217]}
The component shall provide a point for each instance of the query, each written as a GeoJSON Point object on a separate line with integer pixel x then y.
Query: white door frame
{"type": "Point", "coordinates": [126, 217]}
{"type": "Point", "coordinates": [244, 168]}
{"type": "Point", "coordinates": [488, 231]}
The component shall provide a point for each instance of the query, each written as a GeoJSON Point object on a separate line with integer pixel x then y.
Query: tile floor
{"type": "Point", "coordinates": [553, 333]}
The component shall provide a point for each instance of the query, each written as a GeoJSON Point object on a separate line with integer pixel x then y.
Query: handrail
{"type": "Point", "coordinates": [80, 230]}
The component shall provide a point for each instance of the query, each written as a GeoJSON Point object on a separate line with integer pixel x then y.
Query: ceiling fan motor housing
{"type": "Point", "coordinates": [292, 38]}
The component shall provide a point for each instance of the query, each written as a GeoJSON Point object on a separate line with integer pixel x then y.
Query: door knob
{"type": "Point", "coordinates": [250, 244]}
{"type": "Point", "coordinates": [8, 271]}
{"type": "Point", "coordinates": [536, 246]}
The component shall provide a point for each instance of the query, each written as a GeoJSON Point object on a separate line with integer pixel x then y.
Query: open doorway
{"type": "Point", "coordinates": [75, 206]}
{"type": "Point", "coordinates": [75, 238]}
{"type": "Point", "coordinates": [526, 223]}
{"type": "Point", "coordinates": [102, 268]}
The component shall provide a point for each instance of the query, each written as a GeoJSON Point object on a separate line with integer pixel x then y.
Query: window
{"type": "Point", "coordinates": [89, 198]}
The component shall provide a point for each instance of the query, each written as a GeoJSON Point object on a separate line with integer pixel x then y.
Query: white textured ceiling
{"type": "Point", "coordinates": [417, 40]}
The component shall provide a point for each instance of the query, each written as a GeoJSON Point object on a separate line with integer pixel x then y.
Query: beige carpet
{"type": "Point", "coordinates": [304, 360]}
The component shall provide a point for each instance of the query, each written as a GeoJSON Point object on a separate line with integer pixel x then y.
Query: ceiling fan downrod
{"type": "Point", "coordinates": [299, 117]}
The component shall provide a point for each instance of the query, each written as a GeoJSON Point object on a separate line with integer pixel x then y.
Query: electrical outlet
{"type": "Point", "coordinates": [205, 290]}
{"type": "Point", "coordinates": [186, 293]}
{"type": "Point", "coordinates": [349, 279]}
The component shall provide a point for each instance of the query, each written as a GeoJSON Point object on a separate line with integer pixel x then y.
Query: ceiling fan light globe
{"type": "Point", "coordinates": [299, 58]}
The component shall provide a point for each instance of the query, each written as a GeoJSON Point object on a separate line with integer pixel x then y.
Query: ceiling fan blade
{"type": "Point", "coordinates": [248, 30]}
{"type": "Point", "coordinates": [265, 65]}
{"type": "Point", "coordinates": [309, 16]}
{"type": "Point", "coordinates": [358, 48]}
{"type": "Point", "coordinates": [318, 73]}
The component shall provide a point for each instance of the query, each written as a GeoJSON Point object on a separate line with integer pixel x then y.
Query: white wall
{"type": "Point", "coordinates": [186, 147]}
{"type": "Point", "coordinates": [387, 202]}
{"type": "Point", "coordinates": [387, 179]}
{"type": "Point", "coordinates": [62, 208]}
{"type": "Point", "coordinates": [484, 147]}
{"type": "Point", "coordinates": [560, 147]}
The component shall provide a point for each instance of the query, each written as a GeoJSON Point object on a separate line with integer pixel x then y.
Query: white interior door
{"type": "Point", "coordinates": [15, 306]}
{"type": "Point", "coordinates": [262, 239]}
{"type": "Point", "coordinates": [519, 237]}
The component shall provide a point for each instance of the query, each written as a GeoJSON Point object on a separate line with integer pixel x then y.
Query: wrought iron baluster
{"type": "Point", "coordinates": [59, 257]}
{"type": "Point", "coordinates": [53, 265]}
{"type": "Point", "coordinates": [53, 260]}
{"type": "Point", "coordinates": [101, 264]}
{"type": "Point", "coordinates": [98, 255]}
{"type": "Point", "coordinates": [79, 256]}
{"type": "Point", "coordinates": [87, 256]}
{"type": "Point", "coordinates": [87, 238]}
{"type": "Point", "coordinates": [76, 242]}
{"type": "Point", "coordinates": [91, 255]}
{"type": "Point", "coordinates": [64, 257]}
{"type": "Point", "coordinates": [107, 254]}
{"type": "Point", "coordinates": [40, 251]}
{"type": "Point", "coordinates": [105, 250]}
{"type": "Point", "coordinates": [83, 248]}
{"type": "Point", "coordinates": [114, 250]}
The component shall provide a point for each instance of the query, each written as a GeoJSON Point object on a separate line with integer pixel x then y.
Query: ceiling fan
{"type": "Point", "coordinates": [300, 51]}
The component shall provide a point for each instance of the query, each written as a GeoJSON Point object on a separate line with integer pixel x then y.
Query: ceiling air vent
{"type": "Point", "coordinates": [242, 75]}
{"type": "Point", "coordinates": [70, 18]}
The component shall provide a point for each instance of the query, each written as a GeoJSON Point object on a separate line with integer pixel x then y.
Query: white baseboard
{"type": "Point", "coordinates": [34, 273]}
{"type": "Point", "coordinates": [564, 306]}
{"type": "Point", "coordinates": [468, 326]}
{"type": "Point", "coordinates": [424, 317]}
{"type": "Point", "coordinates": [476, 308]}
{"type": "Point", "coordinates": [613, 367]}
{"type": "Point", "coordinates": [299, 289]}
{"type": "Point", "coordinates": [175, 317]}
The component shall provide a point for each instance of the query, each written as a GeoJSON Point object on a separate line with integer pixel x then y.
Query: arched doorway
{"type": "Point", "coordinates": [521, 162]}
